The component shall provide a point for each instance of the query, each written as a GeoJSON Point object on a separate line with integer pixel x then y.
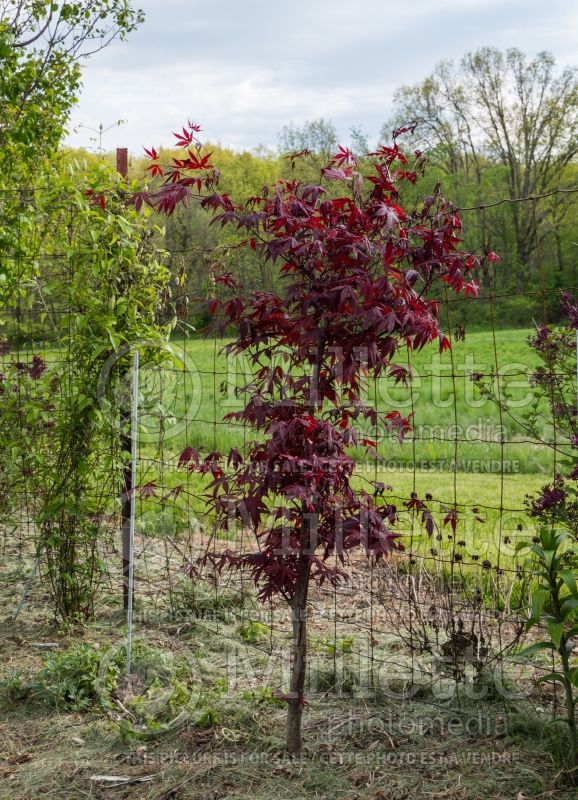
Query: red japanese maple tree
{"type": "Point", "coordinates": [357, 270]}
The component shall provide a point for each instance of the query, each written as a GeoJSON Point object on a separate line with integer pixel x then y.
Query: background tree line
{"type": "Point", "coordinates": [491, 129]}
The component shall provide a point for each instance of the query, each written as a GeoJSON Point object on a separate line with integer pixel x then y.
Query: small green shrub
{"type": "Point", "coordinates": [72, 680]}
{"type": "Point", "coordinates": [12, 688]}
{"type": "Point", "coordinates": [341, 645]}
{"type": "Point", "coordinates": [264, 696]}
{"type": "Point", "coordinates": [253, 632]}
{"type": "Point", "coordinates": [554, 603]}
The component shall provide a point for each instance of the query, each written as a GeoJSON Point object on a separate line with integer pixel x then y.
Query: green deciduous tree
{"type": "Point", "coordinates": [500, 109]}
{"type": "Point", "coordinates": [42, 45]}
{"type": "Point", "coordinates": [317, 135]}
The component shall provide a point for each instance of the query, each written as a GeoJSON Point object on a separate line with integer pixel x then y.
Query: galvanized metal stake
{"type": "Point", "coordinates": [133, 436]}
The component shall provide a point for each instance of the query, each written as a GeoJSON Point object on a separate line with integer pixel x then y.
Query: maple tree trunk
{"type": "Point", "coordinates": [299, 599]}
{"type": "Point", "coordinates": [299, 665]}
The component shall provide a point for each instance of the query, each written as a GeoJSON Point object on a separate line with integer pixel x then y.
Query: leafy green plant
{"type": "Point", "coordinates": [339, 646]}
{"type": "Point", "coordinates": [253, 632]}
{"type": "Point", "coordinates": [208, 717]}
{"type": "Point", "coordinates": [264, 695]}
{"type": "Point", "coordinates": [71, 680]}
{"type": "Point", "coordinates": [84, 250]}
{"type": "Point", "coordinates": [161, 708]}
{"type": "Point", "coordinates": [548, 584]}
{"type": "Point", "coordinates": [554, 601]}
{"type": "Point", "coordinates": [170, 697]}
{"type": "Point", "coordinates": [12, 688]}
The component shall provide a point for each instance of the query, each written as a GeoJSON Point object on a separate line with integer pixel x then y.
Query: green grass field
{"type": "Point", "coordinates": [455, 454]}
{"type": "Point", "coordinates": [463, 451]}
{"type": "Point", "coordinates": [451, 419]}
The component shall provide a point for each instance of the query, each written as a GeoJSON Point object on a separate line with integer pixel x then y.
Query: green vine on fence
{"type": "Point", "coordinates": [89, 269]}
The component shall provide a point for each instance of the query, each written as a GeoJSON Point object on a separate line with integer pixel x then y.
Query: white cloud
{"type": "Point", "coordinates": [240, 112]}
{"type": "Point", "coordinates": [246, 69]}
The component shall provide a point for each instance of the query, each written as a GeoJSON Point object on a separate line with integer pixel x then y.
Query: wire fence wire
{"type": "Point", "coordinates": [448, 610]}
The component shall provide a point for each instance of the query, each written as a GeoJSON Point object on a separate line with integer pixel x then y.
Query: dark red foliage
{"type": "Point", "coordinates": [148, 489]}
{"type": "Point", "coordinates": [358, 270]}
{"type": "Point", "coordinates": [553, 496]}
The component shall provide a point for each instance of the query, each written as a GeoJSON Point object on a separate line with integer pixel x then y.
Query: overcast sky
{"type": "Point", "coordinates": [245, 68]}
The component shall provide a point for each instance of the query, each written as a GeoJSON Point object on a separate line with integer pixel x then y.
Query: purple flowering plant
{"type": "Point", "coordinates": [553, 559]}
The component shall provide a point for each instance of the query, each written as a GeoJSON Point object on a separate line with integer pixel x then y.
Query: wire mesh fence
{"type": "Point", "coordinates": [445, 613]}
